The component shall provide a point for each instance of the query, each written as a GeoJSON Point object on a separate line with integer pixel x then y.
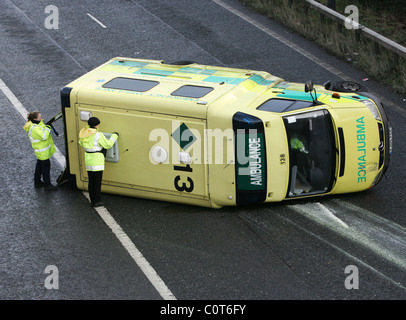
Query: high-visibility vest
{"type": "Point", "coordinates": [93, 143]}
{"type": "Point", "coordinates": [41, 139]}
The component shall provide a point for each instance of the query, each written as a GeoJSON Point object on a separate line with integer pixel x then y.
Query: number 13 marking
{"type": "Point", "coordinates": [184, 186]}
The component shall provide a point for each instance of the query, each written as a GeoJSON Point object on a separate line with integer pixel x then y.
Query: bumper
{"type": "Point", "coordinates": [385, 131]}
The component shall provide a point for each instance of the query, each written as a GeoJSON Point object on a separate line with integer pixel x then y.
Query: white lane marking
{"type": "Point", "coordinates": [137, 256]}
{"type": "Point", "coordinates": [305, 53]}
{"type": "Point", "coordinates": [13, 99]}
{"type": "Point", "coordinates": [321, 214]}
{"type": "Point", "coordinates": [96, 20]}
{"type": "Point", "coordinates": [283, 40]}
{"type": "Point", "coordinates": [345, 253]}
{"type": "Point", "coordinates": [384, 238]}
{"type": "Point", "coordinates": [330, 215]}
{"type": "Point", "coordinates": [47, 36]}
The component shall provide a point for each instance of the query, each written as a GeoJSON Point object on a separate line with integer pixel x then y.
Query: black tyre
{"type": "Point", "coordinates": [348, 86]}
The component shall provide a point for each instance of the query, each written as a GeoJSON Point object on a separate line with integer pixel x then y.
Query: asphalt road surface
{"type": "Point", "coordinates": [54, 245]}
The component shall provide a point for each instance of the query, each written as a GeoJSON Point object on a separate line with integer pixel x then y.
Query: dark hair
{"type": "Point", "coordinates": [33, 115]}
{"type": "Point", "coordinates": [93, 121]}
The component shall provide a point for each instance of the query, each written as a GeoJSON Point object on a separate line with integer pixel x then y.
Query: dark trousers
{"type": "Point", "coordinates": [42, 169]}
{"type": "Point", "coordinates": [95, 181]}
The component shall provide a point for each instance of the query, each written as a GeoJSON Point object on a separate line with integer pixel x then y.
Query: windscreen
{"type": "Point", "coordinates": [312, 152]}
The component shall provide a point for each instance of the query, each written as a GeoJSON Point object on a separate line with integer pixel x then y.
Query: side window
{"type": "Point", "coordinates": [130, 84]}
{"type": "Point", "coordinates": [191, 91]}
{"type": "Point", "coordinates": [284, 105]}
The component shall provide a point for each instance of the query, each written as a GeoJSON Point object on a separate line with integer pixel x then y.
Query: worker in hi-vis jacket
{"type": "Point", "coordinates": [93, 143]}
{"type": "Point", "coordinates": [44, 148]}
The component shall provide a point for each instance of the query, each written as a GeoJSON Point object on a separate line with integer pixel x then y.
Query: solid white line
{"type": "Point", "coordinates": [13, 99]}
{"type": "Point", "coordinates": [47, 36]}
{"type": "Point", "coordinates": [380, 236]}
{"type": "Point", "coordinates": [347, 254]}
{"type": "Point", "coordinates": [137, 256]}
{"type": "Point", "coordinates": [96, 20]}
{"type": "Point", "coordinates": [324, 210]}
{"type": "Point", "coordinates": [283, 40]}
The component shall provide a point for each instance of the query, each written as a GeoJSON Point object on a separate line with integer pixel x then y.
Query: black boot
{"type": "Point", "coordinates": [38, 184]}
{"type": "Point", "coordinates": [50, 187]}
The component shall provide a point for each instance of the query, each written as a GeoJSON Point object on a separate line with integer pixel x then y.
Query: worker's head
{"type": "Point", "coordinates": [34, 116]}
{"type": "Point", "coordinates": [93, 122]}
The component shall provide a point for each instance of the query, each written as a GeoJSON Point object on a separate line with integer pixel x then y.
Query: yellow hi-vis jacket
{"type": "Point", "coordinates": [41, 139]}
{"type": "Point", "coordinates": [93, 142]}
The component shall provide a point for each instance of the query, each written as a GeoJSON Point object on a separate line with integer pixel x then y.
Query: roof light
{"type": "Point", "coordinates": [336, 95]}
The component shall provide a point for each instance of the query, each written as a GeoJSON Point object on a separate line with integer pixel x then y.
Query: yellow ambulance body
{"type": "Point", "coordinates": [216, 136]}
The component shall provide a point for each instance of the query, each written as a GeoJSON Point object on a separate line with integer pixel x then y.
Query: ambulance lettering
{"type": "Point", "coordinates": [255, 161]}
{"type": "Point", "coordinates": [362, 151]}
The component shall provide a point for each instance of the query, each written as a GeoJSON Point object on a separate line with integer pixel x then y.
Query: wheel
{"type": "Point", "coordinates": [348, 86]}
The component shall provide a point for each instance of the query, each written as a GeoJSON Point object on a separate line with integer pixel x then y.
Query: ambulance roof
{"type": "Point", "coordinates": [156, 82]}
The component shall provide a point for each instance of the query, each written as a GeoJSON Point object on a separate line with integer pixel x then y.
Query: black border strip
{"type": "Point", "coordinates": [246, 122]}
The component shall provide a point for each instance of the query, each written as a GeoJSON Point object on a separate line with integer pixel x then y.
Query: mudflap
{"type": "Point", "coordinates": [63, 177]}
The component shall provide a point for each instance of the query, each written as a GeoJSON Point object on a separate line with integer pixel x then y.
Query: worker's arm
{"type": "Point", "coordinates": [40, 133]}
{"type": "Point", "coordinates": [108, 143]}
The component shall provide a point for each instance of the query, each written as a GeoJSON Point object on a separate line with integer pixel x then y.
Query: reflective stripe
{"type": "Point", "coordinates": [43, 133]}
{"type": "Point", "coordinates": [96, 140]}
{"type": "Point", "coordinates": [44, 136]}
{"type": "Point", "coordinates": [95, 168]}
{"type": "Point", "coordinates": [93, 149]}
{"type": "Point", "coordinates": [31, 138]}
{"type": "Point", "coordinates": [43, 149]}
{"type": "Point", "coordinates": [96, 146]}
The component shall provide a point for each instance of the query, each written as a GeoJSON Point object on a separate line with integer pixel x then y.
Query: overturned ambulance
{"type": "Point", "coordinates": [216, 136]}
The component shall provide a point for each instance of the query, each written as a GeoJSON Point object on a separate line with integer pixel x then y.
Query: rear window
{"type": "Point", "coordinates": [284, 105]}
{"type": "Point", "coordinates": [130, 84]}
{"type": "Point", "coordinates": [192, 91]}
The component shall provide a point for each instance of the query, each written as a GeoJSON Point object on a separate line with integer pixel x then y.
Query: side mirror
{"type": "Point", "coordinates": [328, 85]}
{"type": "Point", "coordinates": [309, 86]}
